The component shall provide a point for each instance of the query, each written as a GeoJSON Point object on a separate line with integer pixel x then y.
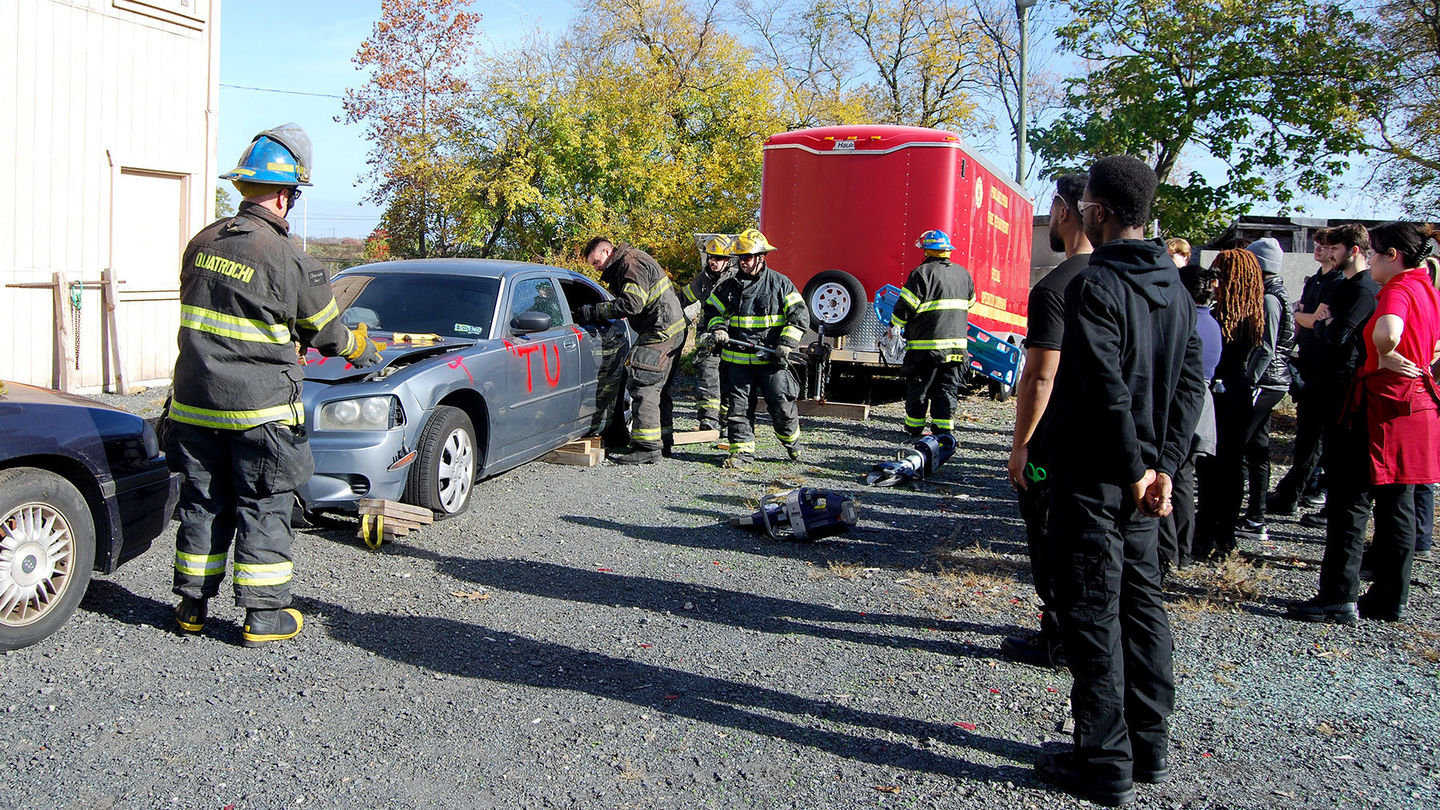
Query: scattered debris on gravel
{"type": "Point", "coordinates": [598, 637]}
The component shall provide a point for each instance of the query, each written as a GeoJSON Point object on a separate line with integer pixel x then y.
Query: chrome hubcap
{"type": "Point", "coordinates": [457, 470]}
{"type": "Point", "coordinates": [37, 551]}
{"type": "Point", "coordinates": [831, 302]}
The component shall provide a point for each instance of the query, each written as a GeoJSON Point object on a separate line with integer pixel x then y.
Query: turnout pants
{"type": "Point", "coordinates": [652, 370]}
{"type": "Point", "coordinates": [777, 385]}
{"type": "Point", "coordinates": [1116, 635]}
{"type": "Point", "coordinates": [931, 382]}
{"type": "Point", "coordinates": [239, 488]}
{"type": "Point", "coordinates": [707, 390]}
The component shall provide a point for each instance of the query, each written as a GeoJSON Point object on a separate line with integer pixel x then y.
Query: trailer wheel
{"type": "Point", "coordinates": [836, 300]}
{"type": "Point", "coordinates": [1002, 392]}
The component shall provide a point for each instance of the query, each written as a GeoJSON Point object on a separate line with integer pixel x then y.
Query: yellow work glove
{"type": "Point", "coordinates": [366, 352]}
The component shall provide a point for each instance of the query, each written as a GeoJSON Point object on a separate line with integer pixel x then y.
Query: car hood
{"type": "Point", "coordinates": [22, 394]}
{"type": "Point", "coordinates": [394, 355]}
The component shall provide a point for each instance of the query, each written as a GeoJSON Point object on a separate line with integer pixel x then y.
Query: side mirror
{"type": "Point", "coordinates": [531, 321]}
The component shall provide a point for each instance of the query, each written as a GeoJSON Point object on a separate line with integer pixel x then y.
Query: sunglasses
{"type": "Point", "coordinates": [1086, 205]}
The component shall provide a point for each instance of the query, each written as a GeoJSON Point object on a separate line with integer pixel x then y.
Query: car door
{"type": "Point", "coordinates": [540, 387]}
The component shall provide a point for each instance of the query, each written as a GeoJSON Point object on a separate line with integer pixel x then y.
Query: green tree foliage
{"type": "Point", "coordinates": [643, 123]}
{"type": "Point", "coordinates": [1406, 134]}
{"type": "Point", "coordinates": [1275, 90]}
{"type": "Point", "coordinates": [412, 107]}
{"type": "Point", "coordinates": [224, 203]}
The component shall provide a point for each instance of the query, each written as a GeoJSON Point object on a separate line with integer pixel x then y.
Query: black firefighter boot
{"type": "Point", "coordinates": [636, 456]}
{"type": "Point", "coordinates": [190, 614]}
{"type": "Point", "coordinates": [278, 624]}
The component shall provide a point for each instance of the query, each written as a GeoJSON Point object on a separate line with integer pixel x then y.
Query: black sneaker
{"type": "Point", "coordinates": [262, 626]}
{"type": "Point", "coordinates": [1389, 615]}
{"type": "Point", "coordinates": [1314, 610]}
{"type": "Point", "coordinates": [190, 614]}
{"type": "Point", "coordinates": [1314, 520]}
{"type": "Point", "coordinates": [1035, 651]}
{"type": "Point", "coordinates": [1314, 500]}
{"type": "Point", "coordinates": [1065, 772]}
{"type": "Point", "coordinates": [1423, 555]}
{"type": "Point", "coordinates": [636, 457]}
{"type": "Point", "coordinates": [1253, 528]}
{"type": "Point", "coordinates": [1280, 503]}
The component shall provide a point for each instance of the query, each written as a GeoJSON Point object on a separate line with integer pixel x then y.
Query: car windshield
{"type": "Point", "coordinates": [420, 303]}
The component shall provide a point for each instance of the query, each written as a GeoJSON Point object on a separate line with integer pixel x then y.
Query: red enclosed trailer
{"type": "Point", "coordinates": [844, 206]}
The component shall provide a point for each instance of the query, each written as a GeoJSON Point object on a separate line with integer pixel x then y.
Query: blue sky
{"type": "Point", "coordinates": [313, 68]}
{"type": "Point", "coordinates": [316, 40]}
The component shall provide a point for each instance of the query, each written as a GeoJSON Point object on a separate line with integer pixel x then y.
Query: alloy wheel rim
{"type": "Point", "coordinates": [37, 552]}
{"type": "Point", "coordinates": [457, 470]}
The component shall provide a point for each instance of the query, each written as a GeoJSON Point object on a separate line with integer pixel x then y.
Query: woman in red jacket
{"type": "Point", "coordinates": [1395, 401]}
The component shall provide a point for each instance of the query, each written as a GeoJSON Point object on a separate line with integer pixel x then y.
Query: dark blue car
{"type": "Point", "coordinates": [83, 487]}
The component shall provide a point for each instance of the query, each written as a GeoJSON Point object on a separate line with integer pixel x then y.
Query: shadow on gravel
{"type": "Point", "coordinates": [111, 599]}
{"type": "Point", "coordinates": [440, 645]}
{"type": "Point", "coordinates": [764, 614]}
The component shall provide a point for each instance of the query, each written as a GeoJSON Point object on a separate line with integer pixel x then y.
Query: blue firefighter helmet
{"type": "Point", "coordinates": [277, 157]}
{"type": "Point", "coordinates": [934, 239]}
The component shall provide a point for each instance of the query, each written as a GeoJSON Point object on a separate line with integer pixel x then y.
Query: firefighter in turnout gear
{"type": "Point", "coordinates": [934, 311]}
{"type": "Point", "coordinates": [719, 266]}
{"type": "Point", "coordinates": [645, 297]}
{"type": "Point", "coordinates": [236, 431]}
{"type": "Point", "coordinates": [760, 310]}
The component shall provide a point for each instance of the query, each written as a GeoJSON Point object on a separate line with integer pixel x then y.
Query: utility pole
{"type": "Point", "coordinates": [1022, 13]}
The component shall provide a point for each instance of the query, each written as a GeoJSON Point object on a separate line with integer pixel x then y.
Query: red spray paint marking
{"type": "Point", "coordinates": [551, 381]}
{"type": "Point", "coordinates": [526, 351]}
{"type": "Point", "coordinates": [459, 363]}
{"type": "Point", "coordinates": [579, 333]}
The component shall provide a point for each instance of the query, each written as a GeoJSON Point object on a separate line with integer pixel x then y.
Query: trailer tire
{"type": "Point", "coordinates": [835, 299]}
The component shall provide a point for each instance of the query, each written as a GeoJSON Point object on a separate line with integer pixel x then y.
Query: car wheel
{"type": "Point", "coordinates": [444, 471]}
{"type": "Point", "coordinates": [835, 299]}
{"type": "Point", "coordinates": [47, 550]}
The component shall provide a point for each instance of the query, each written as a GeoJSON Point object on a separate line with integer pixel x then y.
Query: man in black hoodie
{"type": "Point", "coordinates": [1129, 385]}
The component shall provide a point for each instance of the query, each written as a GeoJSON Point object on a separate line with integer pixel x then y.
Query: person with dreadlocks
{"type": "Point", "coordinates": [1258, 330]}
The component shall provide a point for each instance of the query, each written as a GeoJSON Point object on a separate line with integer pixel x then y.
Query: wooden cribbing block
{"type": "Point", "coordinates": [586, 452]}
{"type": "Point", "coordinates": [844, 410]}
{"type": "Point", "coordinates": [695, 436]}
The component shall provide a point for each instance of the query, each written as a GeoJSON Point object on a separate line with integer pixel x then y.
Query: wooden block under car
{"type": "Point", "coordinates": [586, 452]}
{"type": "Point", "coordinates": [399, 518]}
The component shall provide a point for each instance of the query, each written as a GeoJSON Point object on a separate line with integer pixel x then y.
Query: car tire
{"type": "Point", "coordinates": [835, 299]}
{"type": "Point", "coordinates": [47, 552]}
{"type": "Point", "coordinates": [443, 475]}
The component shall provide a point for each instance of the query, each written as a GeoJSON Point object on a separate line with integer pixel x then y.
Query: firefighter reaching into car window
{"type": "Point", "coordinates": [247, 293]}
{"type": "Point", "coordinates": [934, 311]}
{"type": "Point", "coordinates": [645, 297]}
{"type": "Point", "coordinates": [757, 318]}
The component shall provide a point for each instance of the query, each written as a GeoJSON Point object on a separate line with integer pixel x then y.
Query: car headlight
{"type": "Point", "coordinates": [363, 413]}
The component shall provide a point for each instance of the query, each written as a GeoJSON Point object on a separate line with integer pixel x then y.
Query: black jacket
{"type": "Point", "coordinates": [767, 310]}
{"type": "Point", "coordinates": [643, 295]}
{"type": "Point", "coordinates": [934, 307]}
{"type": "Point", "coordinates": [247, 295]}
{"type": "Point", "coordinates": [1342, 337]}
{"type": "Point", "coordinates": [1128, 391]}
{"type": "Point", "coordinates": [1243, 368]}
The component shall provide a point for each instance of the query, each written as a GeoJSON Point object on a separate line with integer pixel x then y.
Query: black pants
{"type": "Point", "coordinates": [652, 371]}
{"type": "Point", "coordinates": [1035, 510]}
{"type": "Point", "coordinates": [1311, 409]}
{"type": "Point", "coordinates": [1424, 516]}
{"type": "Point", "coordinates": [1116, 634]}
{"type": "Point", "coordinates": [707, 390]}
{"type": "Point", "coordinates": [931, 383]}
{"type": "Point", "coordinates": [777, 385]}
{"type": "Point", "coordinates": [1177, 531]}
{"type": "Point", "coordinates": [239, 487]}
{"type": "Point", "coordinates": [1242, 456]}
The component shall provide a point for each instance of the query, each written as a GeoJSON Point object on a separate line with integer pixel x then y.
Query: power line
{"type": "Point", "coordinates": [286, 92]}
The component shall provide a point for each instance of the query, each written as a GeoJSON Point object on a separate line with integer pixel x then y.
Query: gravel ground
{"type": "Point", "coordinates": [595, 638]}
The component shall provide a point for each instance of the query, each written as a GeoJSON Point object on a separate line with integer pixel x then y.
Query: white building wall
{"type": "Point", "coordinates": [109, 162]}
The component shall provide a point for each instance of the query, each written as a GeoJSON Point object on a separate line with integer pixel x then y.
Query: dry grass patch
{"type": "Point", "coordinates": [1223, 587]}
{"type": "Point", "coordinates": [1424, 646]}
